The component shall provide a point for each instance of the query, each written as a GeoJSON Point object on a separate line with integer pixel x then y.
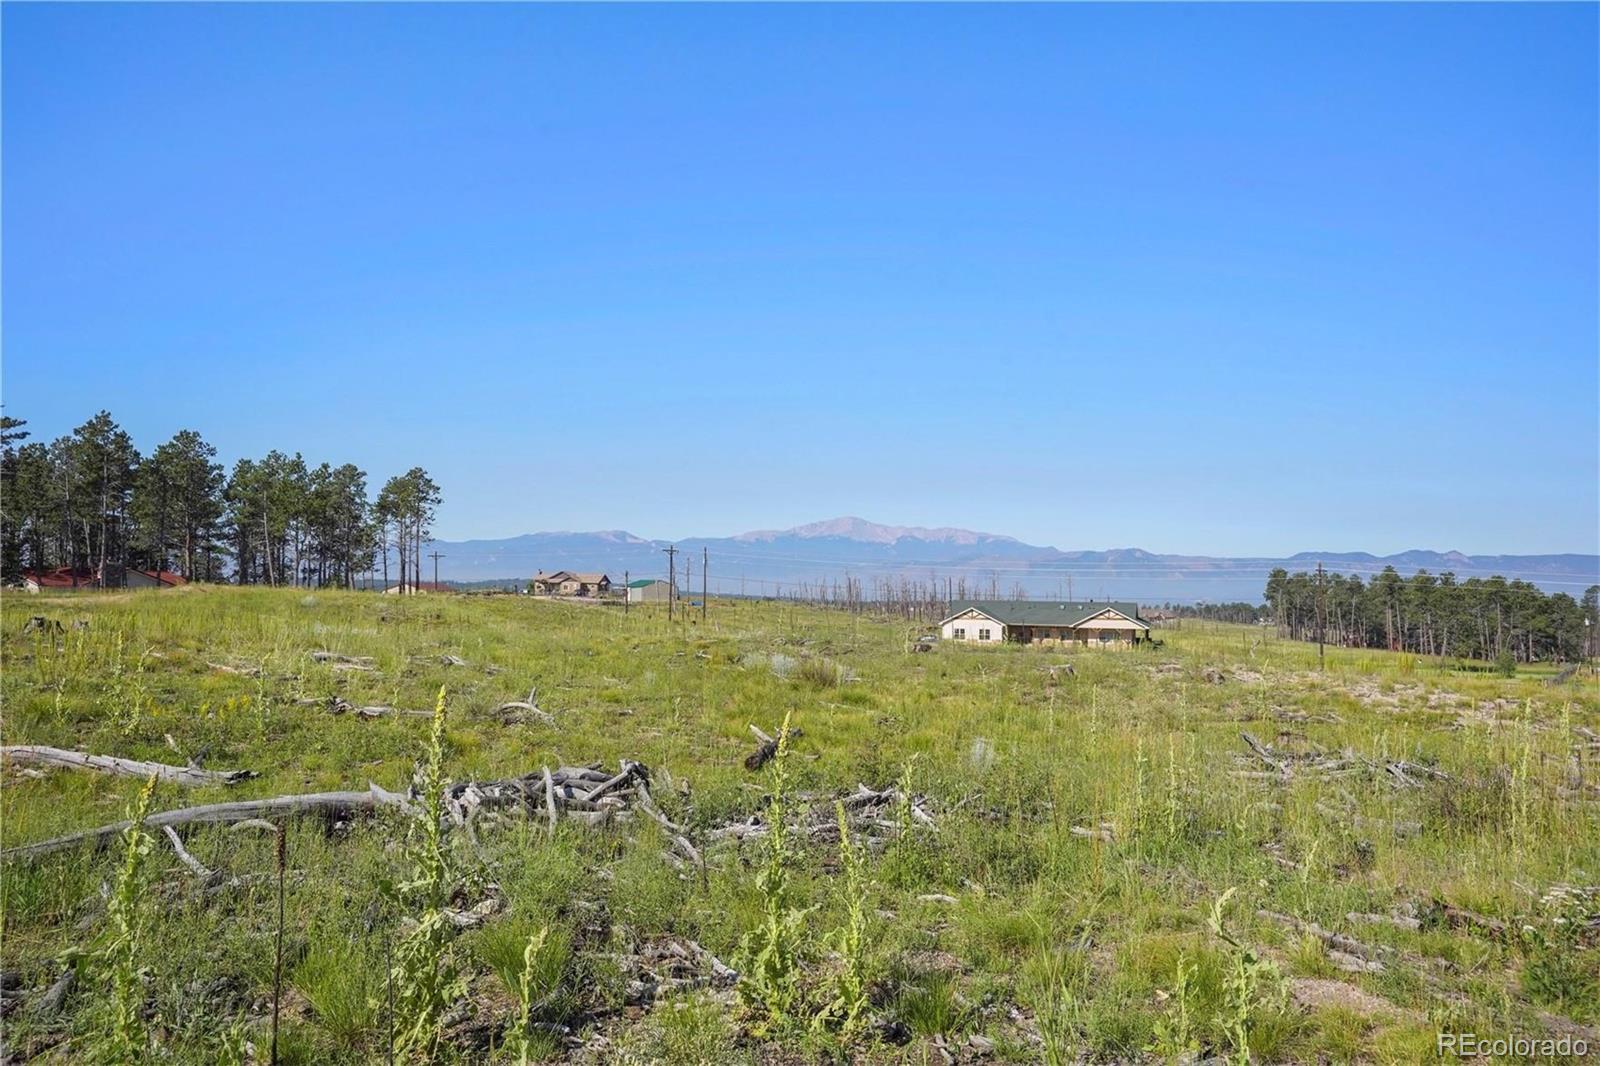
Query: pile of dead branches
{"type": "Point", "coordinates": [669, 964]}
{"type": "Point", "coordinates": [878, 815]}
{"type": "Point", "coordinates": [589, 795]}
{"type": "Point", "coordinates": [1285, 765]}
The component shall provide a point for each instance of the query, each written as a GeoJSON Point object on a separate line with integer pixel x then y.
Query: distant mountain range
{"type": "Point", "coordinates": [773, 562]}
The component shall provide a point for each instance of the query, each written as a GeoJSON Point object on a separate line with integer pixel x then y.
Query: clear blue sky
{"type": "Point", "coordinates": [1217, 279]}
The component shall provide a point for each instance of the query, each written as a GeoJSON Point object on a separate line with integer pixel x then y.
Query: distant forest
{"type": "Point", "coordinates": [90, 503]}
{"type": "Point", "coordinates": [1240, 613]}
{"type": "Point", "coordinates": [1480, 618]}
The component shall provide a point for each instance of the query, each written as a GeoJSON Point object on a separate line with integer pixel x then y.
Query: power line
{"type": "Point", "coordinates": [1322, 614]}
{"type": "Point", "coordinates": [672, 576]}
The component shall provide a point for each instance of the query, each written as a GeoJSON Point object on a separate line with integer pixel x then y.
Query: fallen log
{"type": "Point", "coordinates": [1361, 823]}
{"type": "Point", "coordinates": [1399, 921]}
{"type": "Point", "coordinates": [1349, 963]}
{"type": "Point", "coordinates": [224, 814]}
{"type": "Point", "coordinates": [1460, 918]}
{"type": "Point", "coordinates": [39, 755]}
{"type": "Point", "coordinates": [1345, 952]}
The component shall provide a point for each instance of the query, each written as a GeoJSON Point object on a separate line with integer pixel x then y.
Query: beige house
{"type": "Point", "coordinates": [567, 583]}
{"type": "Point", "coordinates": [1095, 624]}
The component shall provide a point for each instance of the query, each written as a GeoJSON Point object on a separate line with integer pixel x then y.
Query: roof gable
{"type": "Point", "coordinates": [970, 612]}
{"type": "Point", "coordinates": [1064, 613]}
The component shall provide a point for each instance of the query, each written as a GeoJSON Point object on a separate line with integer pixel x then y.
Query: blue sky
{"type": "Point", "coordinates": [1214, 279]}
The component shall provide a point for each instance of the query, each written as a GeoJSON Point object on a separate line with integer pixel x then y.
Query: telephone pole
{"type": "Point", "coordinates": [436, 556]}
{"type": "Point", "coordinates": [672, 576]}
{"type": "Point", "coordinates": [705, 585]}
{"type": "Point", "coordinates": [627, 593]}
{"type": "Point", "coordinates": [1322, 601]}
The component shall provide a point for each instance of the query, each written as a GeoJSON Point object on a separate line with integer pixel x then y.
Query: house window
{"type": "Point", "coordinates": [983, 634]}
{"type": "Point", "coordinates": [961, 634]}
{"type": "Point", "coordinates": [1107, 636]}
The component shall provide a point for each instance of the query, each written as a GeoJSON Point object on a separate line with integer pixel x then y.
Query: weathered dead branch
{"type": "Point", "coordinates": [517, 712]}
{"type": "Point", "coordinates": [39, 755]}
{"type": "Point", "coordinates": [1105, 834]}
{"type": "Point", "coordinates": [348, 660]}
{"type": "Point", "coordinates": [339, 705]}
{"type": "Point", "coordinates": [766, 749]}
{"type": "Point", "coordinates": [329, 803]}
{"type": "Point", "coordinates": [1460, 918]}
{"type": "Point", "coordinates": [1345, 952]}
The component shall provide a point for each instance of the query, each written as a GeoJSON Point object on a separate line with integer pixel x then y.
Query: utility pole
{"type": "Point", "coordinates": [672, 576]}
{"type": "Point", "coordinates": [705, 585]}
{"type": "Point", "coordinates": [436, 556]}
{"type": "Point", "coordinates": [627, 593]}
{"type": "Point", "coordinates": [1321, 614]}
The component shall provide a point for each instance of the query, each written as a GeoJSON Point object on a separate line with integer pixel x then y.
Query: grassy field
{"type": "Point", "coordinates": [1112, 873]}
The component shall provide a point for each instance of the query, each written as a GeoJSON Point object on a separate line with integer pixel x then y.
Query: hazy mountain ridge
{"type": "Point", "coordinates": [774, 561]}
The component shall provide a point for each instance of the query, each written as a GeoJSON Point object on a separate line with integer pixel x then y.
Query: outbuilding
{"type": "Point", "coordinates": [649, 590]}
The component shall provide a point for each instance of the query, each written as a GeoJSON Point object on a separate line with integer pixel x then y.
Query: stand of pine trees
{"type": "Point", "coordinates": [1480, 618]}
{"type": "Point", "coordinates": [91, 502]}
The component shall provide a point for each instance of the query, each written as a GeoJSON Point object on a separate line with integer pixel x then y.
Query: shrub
{"type": "Point", "coordinates": [770, 977]}
{"type": "Point", "coordinates": [337, 979]}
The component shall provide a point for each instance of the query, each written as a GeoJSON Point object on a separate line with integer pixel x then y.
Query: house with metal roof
{"type": "Point", "coordinates": [1092, 623]}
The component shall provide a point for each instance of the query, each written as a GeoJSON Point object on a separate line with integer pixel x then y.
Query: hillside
{"type": "Point", "coordinates": [1045, 866]}
{"type": "Point", "coordinates": [763, 561]}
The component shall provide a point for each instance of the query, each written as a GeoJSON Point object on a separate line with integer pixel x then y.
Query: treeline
{"type": "Point", "coordinates": [1480, 618]}
{"type": "Point", "coordinates": [1240, 613]}
{"type": "Point", "coordinates": [91, 504]}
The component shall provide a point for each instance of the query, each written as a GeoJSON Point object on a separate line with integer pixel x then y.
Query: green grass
{"type": "Point", "coordinates": [1050, 930]}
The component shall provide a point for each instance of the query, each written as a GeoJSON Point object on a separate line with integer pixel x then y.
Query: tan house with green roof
{"type": "Point", "coordinates": [1093, 623]}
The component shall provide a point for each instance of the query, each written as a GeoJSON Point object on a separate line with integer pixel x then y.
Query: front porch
{"type": "Point", "coordinates": [1086, 637]}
